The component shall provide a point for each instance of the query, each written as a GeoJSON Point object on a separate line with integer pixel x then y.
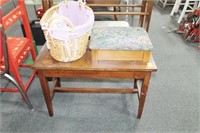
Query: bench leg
{"type": "Point", "coordinates": [143, 93]}
{"type": "Point", "coordinates": [46, 92]}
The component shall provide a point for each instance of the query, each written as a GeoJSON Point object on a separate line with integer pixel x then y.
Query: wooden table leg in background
{"type": "Point", "coordinates": [144, 90]}
{"type": "Point", "coordinates": [46, 92]}
{"type": "Point", "coordinates": [58, 82]}
{"type": "Point", "coordinates": [136, 87]}
{"type": "Point", "coordinates": [45, 5]}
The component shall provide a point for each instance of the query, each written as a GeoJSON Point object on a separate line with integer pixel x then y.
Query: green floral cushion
{"type": "Point", "coordinates": [120, 38]}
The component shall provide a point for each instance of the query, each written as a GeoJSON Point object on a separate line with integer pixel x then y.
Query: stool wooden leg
{"type": "Point", "coordinates": [143, 93]}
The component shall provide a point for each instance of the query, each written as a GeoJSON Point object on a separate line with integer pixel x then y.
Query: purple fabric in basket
{"type": "Point", "coordinates": [77, 15]}
{"type": "Point", "coordinates": [80, 17]}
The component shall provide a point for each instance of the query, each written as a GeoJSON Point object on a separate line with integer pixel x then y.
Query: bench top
{"type": "Point", "coordinates": [44, 61]}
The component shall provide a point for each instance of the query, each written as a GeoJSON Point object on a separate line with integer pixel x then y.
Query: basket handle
{"type": "Point", "coordinates": [69, 23]}
{"type": "Point", "coordinates": [80, 2]}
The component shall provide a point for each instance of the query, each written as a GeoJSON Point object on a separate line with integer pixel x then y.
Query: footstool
{"type": "Point", "coordinates": [120, 43]}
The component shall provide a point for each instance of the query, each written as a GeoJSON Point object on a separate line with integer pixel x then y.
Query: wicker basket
{"type": "Point", "coordinates": [73, 44]}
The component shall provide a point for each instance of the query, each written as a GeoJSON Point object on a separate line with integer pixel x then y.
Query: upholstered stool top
{"type": "Point", "coordinates": [120, 38]}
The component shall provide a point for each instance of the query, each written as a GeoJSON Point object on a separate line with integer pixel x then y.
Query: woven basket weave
{"type": "Point", "coordinates": [76, 47]}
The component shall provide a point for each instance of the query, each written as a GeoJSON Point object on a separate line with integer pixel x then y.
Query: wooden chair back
{"type": "Point", "coordinates": [144, 10]}
{"type": "Point", "coordinates": [103, 1]}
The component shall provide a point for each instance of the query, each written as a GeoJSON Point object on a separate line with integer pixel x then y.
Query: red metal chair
{"type": "Point", "coordinates": [18, 48]}
{"type": "Point", "coordinates": [4, 56]}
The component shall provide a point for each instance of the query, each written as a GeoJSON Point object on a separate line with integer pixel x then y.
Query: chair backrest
{"type": "Point", "coordinates": [144, 11]}
{"type": "Point", "coordinates": [103, 1]}
{"type": "Point", "coordinates": [19, 12]}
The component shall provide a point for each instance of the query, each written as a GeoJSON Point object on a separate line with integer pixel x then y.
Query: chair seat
{"type": "Point", "coordinates": [16, 45]}
{"type": "Point", "coordinates": [120, 38]}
